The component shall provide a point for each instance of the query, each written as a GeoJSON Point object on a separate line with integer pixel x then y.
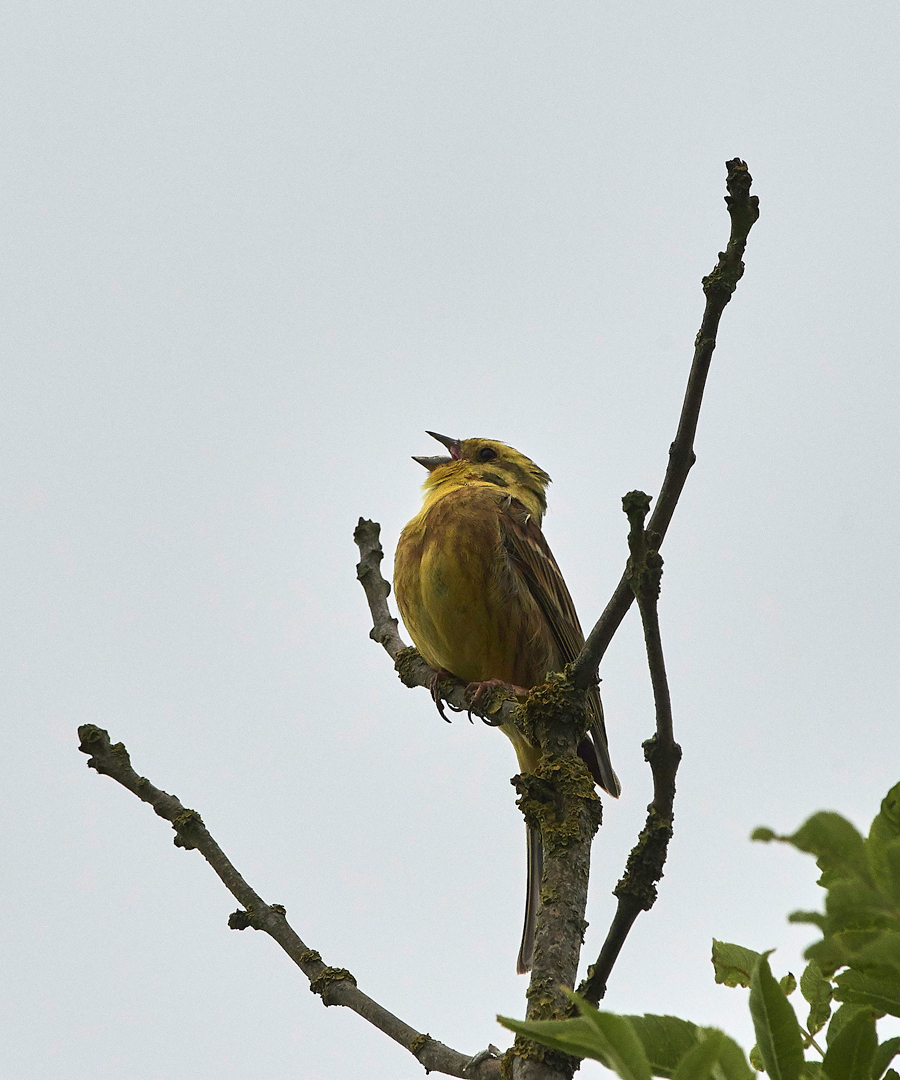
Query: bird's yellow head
{"type": "Point", "coordinates": [487, 461]}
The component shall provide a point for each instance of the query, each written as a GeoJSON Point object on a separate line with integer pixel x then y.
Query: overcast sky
{"type": "Point", "coordinates": [251, 253]}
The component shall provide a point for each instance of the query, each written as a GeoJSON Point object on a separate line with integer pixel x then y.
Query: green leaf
{"type": "Point", "coordinates": [640, 1046]}
{"type": "Point", "coordinates": [665, 1040]}
{"type": "Point", "coordinates": [841, 1018]}
{"type": "Point", "coordinates": [733, 963]}
{"type": "Point", "coordinates": [812, 1070]}
{"type": "Point", "coordinates": [817, 991]}
{"type": "Point", "coordinates": [814, 917]}
{"type": "Point", "coordinates": [603, 1036]}
{"type": "Point", "coordinates": [884, 1055]}
{"type": "Point", "coordinates": [625, 1052]}
{"type": "Point", "coordinates": [881, 993]}
{"type": "Point", "coordinates": [886, 824]}
{"type": "Point", "coordinates": [732, 1060]}
{"type": "Point", "coordinates": [697, 1063]}
{"type": "Point", "coordinates": [851, 1053]}
{"type": "Point", "coordinates": [883, 844]}
{"type": "Point", "coordinates": [764, 834]}
{"type": "Point", "coordinates": [891, 1074]}
{"type": "Point", "coordinates": [788, 984]}
{"type": "Point", "coordinates": [681, 1050]}
{"type": "Point", "coordinates": [885, 863]}
{"type": "Point", "coordinates": [775, 1023]}
{"type": "Point", "coordinates": [756, 1058]}
{"type": "Point", "coordinates": [840, 948]}
{"type": "Point", "coordinates": [575, 1036]}
{"type": "Point", "coordinates": [852, 904]}
{"type": "Point", "coordinates": [838, 847]}
{"type": "Point", "coordinates": [876, 952]}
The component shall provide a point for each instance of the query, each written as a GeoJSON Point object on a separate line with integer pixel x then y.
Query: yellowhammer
{"type": "Point", "coordinates": [483, 599]}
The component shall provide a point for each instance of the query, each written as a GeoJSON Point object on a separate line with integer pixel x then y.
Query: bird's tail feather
{"type": "Point", "coordinates": [593, 749]}
{"type": "Point", "coordinates": [532, 899]}
{"type": "Point", "coordinates": [594, 753]}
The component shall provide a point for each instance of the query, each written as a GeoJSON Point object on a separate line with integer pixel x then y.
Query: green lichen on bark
{"type": "Point", "coordinates": [544, 1002]}
{"type": "Point", "coordinates": [187, 819]}
{"type": "Point", "coordinates": [320, 984]}
{"type": "Point", "coordinates": [646, 860]}
{"type": "Point", "coordinates": [524, 1048]}
{"type": "Point", "coordinates": [407, 660]}
{"type": "Point", "coordinates": [240, 920]}
{"type": "Point", "coordinates": [491, 699]}
{"type": "Point", "coordinates": [90, 735]}
{"type": "Point", "coordinates": [187, 824]}
{"type": "Point", "coordinates": [418, 1044]}
{"type": "Point", "coordinates": [554, 715]}
{"type": "Point", "coordinates": [552, 799]}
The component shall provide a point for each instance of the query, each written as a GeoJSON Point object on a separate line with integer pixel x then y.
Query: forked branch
{"type": "Point", "coordinates": [636, 891]}
{"type": "Point", "coordinates": [335, 986]}
{"type": "Point", "coordinates": [718, 287]}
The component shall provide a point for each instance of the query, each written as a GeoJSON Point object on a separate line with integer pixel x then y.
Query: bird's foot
{"type": "Point", "coordinates": [436, 679]}
{"type": "Point", "coordinates": [487, 697]}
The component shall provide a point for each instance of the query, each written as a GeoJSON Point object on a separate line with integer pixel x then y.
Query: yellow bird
{"type": "Point", "coordinates": [483, 599]}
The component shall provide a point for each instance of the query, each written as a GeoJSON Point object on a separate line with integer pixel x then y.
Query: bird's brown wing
{"type": "Point", "coordinates": [532, 558]}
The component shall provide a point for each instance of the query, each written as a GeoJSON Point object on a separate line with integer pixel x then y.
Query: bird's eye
{"type": "Point", "coordinates": [487, 453]}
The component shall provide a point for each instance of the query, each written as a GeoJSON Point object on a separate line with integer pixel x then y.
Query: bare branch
{"type": "Point", "coordinates": [366, 536]}
{"type": "Point", "coordinates": [336, 986]}
{"type": "Point", "coordinates": [718, 287]}
{"type": "Point", "coordinates": [637, 889]}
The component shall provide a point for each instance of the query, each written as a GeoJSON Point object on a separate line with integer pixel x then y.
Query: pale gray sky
{"type": "Point", "coordinates": [252, 253]}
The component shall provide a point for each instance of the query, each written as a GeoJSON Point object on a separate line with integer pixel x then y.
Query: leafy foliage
{"type": "Point", "coordinates": [856, 963]}
{"type": "Point", "coordinates": [638, 1047]}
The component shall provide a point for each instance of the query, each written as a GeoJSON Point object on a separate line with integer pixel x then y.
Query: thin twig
{"type": "Point", "coordinates": [718, 287]}
{"type": "Point", "coordinates": [368, 571]}
{"type": "Point", "coordinates": [336, 986]}
{"type": "Point", "coordinates": [636, 891]}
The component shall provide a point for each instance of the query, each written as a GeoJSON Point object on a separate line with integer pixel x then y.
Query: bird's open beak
{"type": "Point", "coordinates": [432, 463]}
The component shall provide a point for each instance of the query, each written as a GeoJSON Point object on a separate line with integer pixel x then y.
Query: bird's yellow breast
{"type": "Point", "coordinates": [464, 604]}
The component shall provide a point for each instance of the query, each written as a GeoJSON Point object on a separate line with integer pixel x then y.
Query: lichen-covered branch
{"type": "Point", "coordinates": [636, 891]}
{"type": "Point", "coordinates": [336, 986]}
{"type": "Point", "coordinates": [718, 288]}
{"type": "Point", "coordinates": [560, 799]}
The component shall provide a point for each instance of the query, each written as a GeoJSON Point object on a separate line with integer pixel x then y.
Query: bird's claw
{"type": "Point", "coordinates": [493, 692]}
{"type": "Point", "coordinates": [436, 679]}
